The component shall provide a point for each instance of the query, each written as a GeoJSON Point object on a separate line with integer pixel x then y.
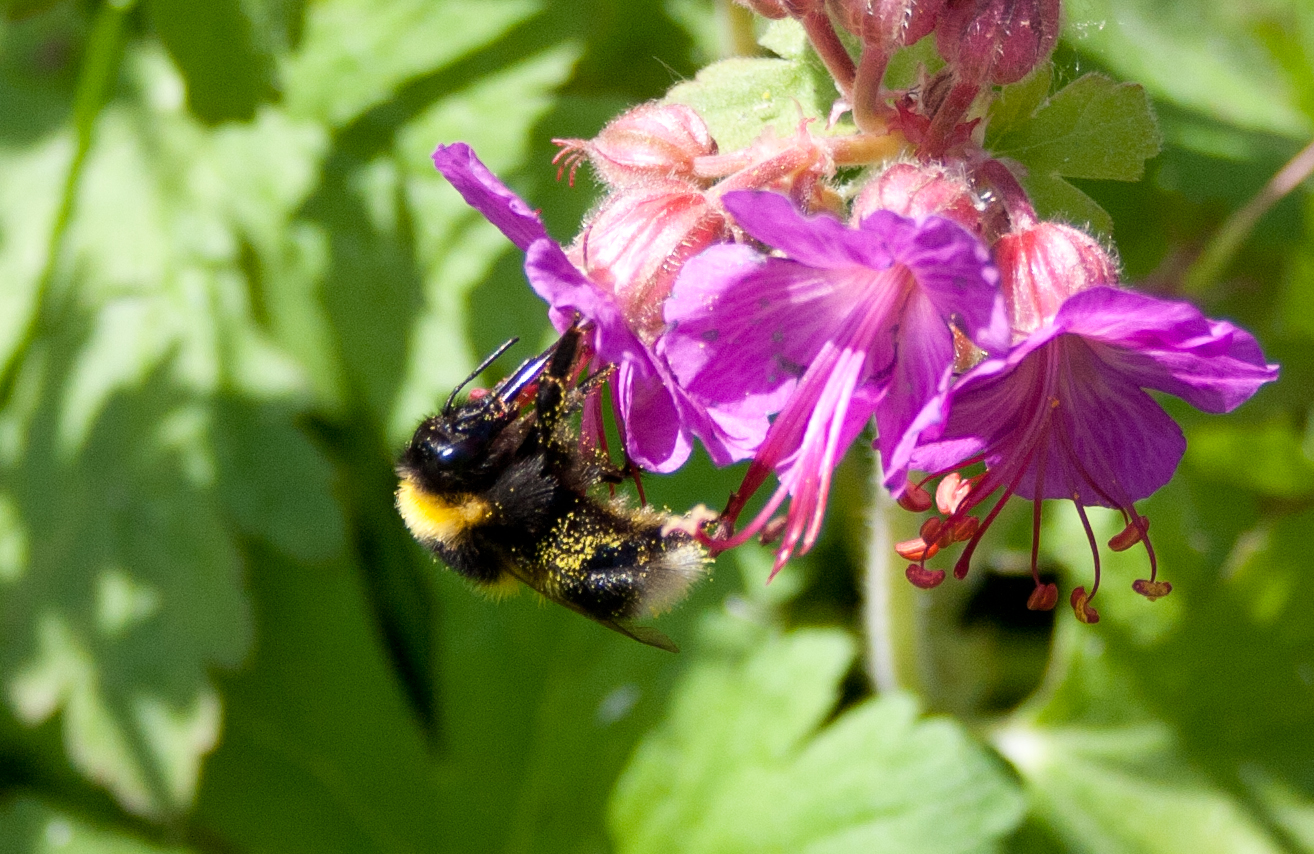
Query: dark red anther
{"type": "Point", "coordinates": [922, 577]}
{"type": "Point", "coordinates": [917, 549]}
{"type": "Point", "coordinates": [931, 529]}
{"type": "Point", "coordinates": [951, 492]}
{"type": "Point", "coordinates": [1043, 598]}
{"type": "Point", "coordinates": [1081, 606]}
{"type": "Point", "coordinates": [915, 499]}
{"type": "Point", "coordinates": [962, 529]}
{"type": "Point", "coordinates": [1131, 535]}
{"type": "Point", "coordinates": [1152, 589]}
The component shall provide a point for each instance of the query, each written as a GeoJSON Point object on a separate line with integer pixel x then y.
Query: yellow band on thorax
{"type": "Point", "coordinates": [437, 518]}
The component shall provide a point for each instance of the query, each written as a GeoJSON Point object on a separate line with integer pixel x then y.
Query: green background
{"type": "Point", "coordinates": [230, 285]}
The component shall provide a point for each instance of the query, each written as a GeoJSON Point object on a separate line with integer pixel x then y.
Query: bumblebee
{"type": "Point", "coordinates": [499, 488]}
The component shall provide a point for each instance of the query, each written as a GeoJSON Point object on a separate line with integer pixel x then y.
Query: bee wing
{"type": "Point", "coordinates": [642, 634]}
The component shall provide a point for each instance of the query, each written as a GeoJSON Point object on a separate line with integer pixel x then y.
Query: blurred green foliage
{"type": "Point", "coordinates": [230, 284]}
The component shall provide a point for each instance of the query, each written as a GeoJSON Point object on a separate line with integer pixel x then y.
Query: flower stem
{"type": "Point", "coordinates": [739, 38]}
{"type": "Point", "coordinates": [1220, 251]}
{"type": "Point", "coordinates": [821, 32]}
{"type": "Point", "coordinates": [891, 608]}
{"type": "Point", "coordinates": [98, 73]}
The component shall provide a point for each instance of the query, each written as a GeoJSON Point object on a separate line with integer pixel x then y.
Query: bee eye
{"type": "Point", "coordinates": [449, 454]}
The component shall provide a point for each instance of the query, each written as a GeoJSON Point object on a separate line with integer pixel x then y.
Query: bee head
{"type": "Point", "coordinates": [456, 449]}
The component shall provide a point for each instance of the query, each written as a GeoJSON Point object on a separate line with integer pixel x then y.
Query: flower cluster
{"type": "Point", "coordinates": [753, 301]}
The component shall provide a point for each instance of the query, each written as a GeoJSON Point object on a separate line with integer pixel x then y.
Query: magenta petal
{"type": "Point", "coordinates": [485, 193]}
{"type": "Point", "coordinates": [819, 241]}
{"type": "Point", "coordinates": [1113, 443]}
{"type": "Point", "coordinates": [914, 398]}
{"type": "Point", "coordinates": [954, 270]}
{"type": "Point", "coordinates": [654, 437]}
{"type": "Point", "coordinates": [1054, 410]}
{"type": "Point", "coordinates": [1170, 346]}
{"type": "Point", "coordinates": [742, 327]}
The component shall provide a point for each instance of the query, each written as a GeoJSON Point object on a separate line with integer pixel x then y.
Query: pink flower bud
{"type": "Point", "coordinates": [997, 41]}
{"type": "Point", "coordinates": [1043, 264]}
{"type": "Point", "coordinates": [651, 141]}
{"type": "Point", "coordinates": [636, 243]}
{"type": "Point", "coordinates": [792, 165]}
{"type": "Point", "coordinates": [887, 24]}
{"type": "Point", "coordinates": [917, 190]}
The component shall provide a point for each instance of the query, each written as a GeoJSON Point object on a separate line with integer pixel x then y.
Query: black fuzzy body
{"type": "Point", "coordinates": [499, 490]}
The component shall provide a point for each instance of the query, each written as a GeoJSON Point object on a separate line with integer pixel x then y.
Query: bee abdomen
{"type": "Point", "coordinates": [617, 566]}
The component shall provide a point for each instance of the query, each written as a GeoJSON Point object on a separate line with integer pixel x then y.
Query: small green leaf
{"type": "Point", "coordinates": [786, 38]}
{"type": "Point", "coordinates": [1017, 102]}
{"type": "Point", "coordinates": [746, 762]}
{"type": "Point", "coordinates": [1055, 198]}
{"type": "Point", "coordinates": [1091, 128]}
{"type": "Point", "coordinates": [740, 97]}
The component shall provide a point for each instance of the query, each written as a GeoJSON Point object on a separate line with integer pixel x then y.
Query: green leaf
{"type": "Point", "coordinates": [1017, 102]}
{"type": "Point", "coordinates": [30, 826]}
{"type": "Point", "coordinates": [786, 38]}
{"type": "Point", "coordinates": [355, 55]}
{"type": "Point", "coordinates": [1092, 128]}
{"type": "Point", "coordinates": [1055, 198]}
{"type": "Point", "coordinates": [740, 97]}
{"type": "Point", "coordinates": [317, 724]}
{"type": "Point", "coordinates": [125, 465]}
{"type": "Point", "coordinates": [1180, 724]}
{"type": "Point", "coordinates": [1209, 56]}
{"type": "Point", "coordinates": [746, 761]}
{"type": "Point", "coordinates": [222, 54]}
{"type": "Point", "coordinates": [116, 616]}
{"type": "Point", "coordinates": [1124, 789]}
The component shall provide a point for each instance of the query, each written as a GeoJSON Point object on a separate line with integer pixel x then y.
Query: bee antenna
{"type": "Point", "coordinates": [451, 398]}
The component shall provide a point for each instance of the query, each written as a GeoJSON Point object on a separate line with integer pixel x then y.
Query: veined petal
{"type": "Point", "coordinates": [953, 267]}
{"type": "Point", "coordinates": [485, 193]}
{"type": "Point", "coordinates": [913, 400]}
{"type": "Point", "coordinates": [818, 241]}
{"type": "Point", "coordinates": [1112, 443]}
{"type": "Point", "coordinates": [1170, 346]}
{"type": "Point", "coordinates": [743, 327]}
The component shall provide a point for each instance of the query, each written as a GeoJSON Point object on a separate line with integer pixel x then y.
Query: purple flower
{"type": "Point", "coordinates": [1065, 414]}
{"type": "Point", "coordinates": [851, 323]}
{"type": "Point", "coordinates": [657, 418]}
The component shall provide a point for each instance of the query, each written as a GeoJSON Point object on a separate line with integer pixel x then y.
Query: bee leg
{"type": "Point", "coordinates": [553, 384]}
